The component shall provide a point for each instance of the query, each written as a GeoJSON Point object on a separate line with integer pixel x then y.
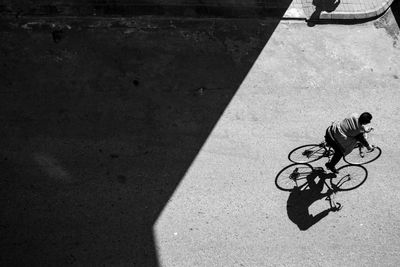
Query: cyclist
{"type": "Point", "coordinates": [343, 135]}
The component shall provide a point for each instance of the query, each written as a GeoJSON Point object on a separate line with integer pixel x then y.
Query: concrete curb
{"type": "Point", "coordinates": [355, 13]}
{"type": "Point", "coordinates": [352, 15]}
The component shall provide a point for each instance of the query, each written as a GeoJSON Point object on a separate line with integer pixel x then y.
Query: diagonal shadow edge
{"type": "Point", "coordinates": [125, 151]}
{"type": "Point", "coordinates": [265, 41]}
{"type": "Point", "coordinates": [395, 7]}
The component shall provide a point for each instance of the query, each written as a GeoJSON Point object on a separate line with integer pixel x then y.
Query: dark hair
{"type": "Point", "coordinates": [365, 118]}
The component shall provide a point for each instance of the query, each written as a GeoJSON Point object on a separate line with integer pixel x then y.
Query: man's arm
{"type": "Point", "coordinates": [361, 138]}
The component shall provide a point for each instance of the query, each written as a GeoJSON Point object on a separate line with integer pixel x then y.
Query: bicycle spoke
{"type": "Point", "coordinates": [343, 180]}
{"type": "Point", "coordinates": [307, 153]}
{"type": "Point", "coordinates": [310, 153]}
{"type": "Point", "coordinates": [293, 176]}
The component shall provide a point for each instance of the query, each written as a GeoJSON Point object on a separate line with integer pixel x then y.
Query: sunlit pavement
{"type": "Point", "coordinates": [227, 211]}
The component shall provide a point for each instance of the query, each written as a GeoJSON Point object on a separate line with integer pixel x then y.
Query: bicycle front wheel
{"type": "Point", "coordinates": [308, 153]}
{"type": "Point", "coordinates": [361, 157]}
{"type": "Point", "coordinates": [349, 177]}
{"type": "Point", "coordinates": [294, 175]}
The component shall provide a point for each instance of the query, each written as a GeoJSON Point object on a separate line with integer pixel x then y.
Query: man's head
{"type": "Point", "coordinates": [365, 118]}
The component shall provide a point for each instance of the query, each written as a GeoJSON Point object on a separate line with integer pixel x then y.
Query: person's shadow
{"type": "Point", "coordinates": [322, 5]}
{"type": "Point", "coordinates": [300, 199]}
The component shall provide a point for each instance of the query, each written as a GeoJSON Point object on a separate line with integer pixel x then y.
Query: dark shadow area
{"type": "Point", "coordinates": [395, 7]}
{"type": "Point", "coordinates": [322, 5]}
{"type": "Point", "coordinates": [301, 198]}
{"type": "Point", "coordinates": [180, 8]}
{"type": "Point", "coordinates": [101, 119]}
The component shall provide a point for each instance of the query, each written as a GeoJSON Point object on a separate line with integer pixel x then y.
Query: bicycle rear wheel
{"type": "Point", "coordinates": [349, 177]}
{"type": "Point", "coordinates": [308, 153]}
{"type": "Point", "coordinates": [294, 175]}
{"type": "Point", "coordinates": [365, 157]}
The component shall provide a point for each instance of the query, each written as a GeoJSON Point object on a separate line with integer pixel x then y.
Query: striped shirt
{"type": "Point", "coordinates": [345, 131]}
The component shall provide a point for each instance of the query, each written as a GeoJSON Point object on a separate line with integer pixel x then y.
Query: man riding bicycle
{"type": "Point", "coordinates": [343, 135]}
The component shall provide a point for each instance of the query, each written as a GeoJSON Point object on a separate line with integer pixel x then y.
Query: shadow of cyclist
{"type": "Point", "coordinates": [301, 199]}
{"type": "Point", "coordinates": [322, 5]}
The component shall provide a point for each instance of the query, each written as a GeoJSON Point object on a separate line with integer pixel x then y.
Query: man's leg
{"type": "Point", "coordinates": [336, 156]}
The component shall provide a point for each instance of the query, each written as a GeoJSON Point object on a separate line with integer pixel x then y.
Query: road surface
{"type": "Point", "coordinates": [148, 141]}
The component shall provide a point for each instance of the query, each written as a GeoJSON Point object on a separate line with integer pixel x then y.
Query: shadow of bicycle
{"type": "Point", "coordinates": [307, 185]}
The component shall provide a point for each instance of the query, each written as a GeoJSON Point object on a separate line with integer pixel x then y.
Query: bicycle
{"type": "Point", "coordinates": [313, 152]}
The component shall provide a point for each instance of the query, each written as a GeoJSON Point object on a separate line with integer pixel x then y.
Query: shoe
{"type": "Point", "coordinates": [331, 168]}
